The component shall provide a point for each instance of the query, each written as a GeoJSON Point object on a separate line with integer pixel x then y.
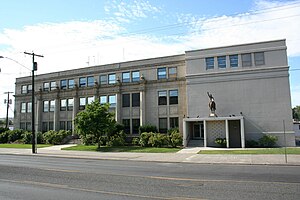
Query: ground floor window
{"type": "Point", "coordinates": [173, 122]}
{"type": "Point", "coordinates": [126, 123]}
{"type": "Point", "coordinates": [28, 126]}
{"type": "Point", "coordinates": [51, 126]}
{"type": "Point", "coordinates": [69, 125]}
{"type": "Point", "coordinates": [23, 126]}
{"type": "Point", "coordinates": [163, 125]}
{"type": "Point", "coordinates": [44, 126]}
{"type": "Point", "coordinates": [135, 126]}
{"type": "Point", "coordinates": [62, 125]}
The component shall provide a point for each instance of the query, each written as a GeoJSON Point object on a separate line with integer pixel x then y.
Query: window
{"type": "Point", "coordinates": [82, 102]}
{"type": "Point", "coordinates": [62, 125]}
{"type": "Point", "coordinates": [46, 86]}
{"type": "Point", "coordinates": [70, 104]}
{"type": "Point", "coordinates": [112, 100]}
{"type": "Point", "coordinates": [28, 126]}
{"type": "Point", "coordinates": [24, 89]}
{"type": "Point", "coordinates": [29, 107]}
{"type": "Point", "coordinates": [173, 97]}
{"type": "Point", "coordinates": [82, 82]}
{"type": "Point", "coordinates": [51, 125]}
{"type": "Point", "coordinates": [126, 123]}
{"type": "Point", "coordinates": [221, 61]}
{"type": "Point", "coordinates": [126, 77]}
{"type": "Point", "coordinates": [44, 127]}
{"type": "Point", "coordinates": [161, 73]}
{"type": "Point", "coordinates": [23, 107]}
{"type": "Point", "coordinates": [234, 61]}
{"type": "Point", "coordinates": [23, 126]}
{"type": "Point", "coordinates": [52, 85]}
{"type": "Point", "coordinates": [299, 127]}
{"type": "Point", "coordinates": [103, 80]}
{"type": "Point", "coordinates": [63, 84]}
{"type": "Point", "coordinates": [52, 106]}
{"type": "Point", "coordinates": [135, 126]}
{"type": "Point", "coordinates": [90, 81]}
{"type": "Point", "coordinates": [71, 83]}
{"type": "Point", "coordinates": [90, 100]}
{"type": "Point", "coordinates": [162, 98]}
{"type": "Point", "coordinates": [163, 125]}
{"type": "Point", "coordinates": [103, 99]}
{"type": "Point", "coordinates": [111, 78]}
{"type": "Point", "coordinates": [259, 58]}
{"type": "Point", "coordinates": [63, 104]}
{"type": "Point", "coordinates": [135, 100]}
{"type": "Point", "coordinates": [45, 106]}
{"type": "Point", "coordinates": [173, 122]}
{"type": "Point", "coordinates": [210, 62]}
{"type": "Point", "coordinates": [125, 100]}
{"type": "Point", "coordinates": [246, 60]}
{"type": "Point", "coordinates": [172, 72]}
{"type": "Point", "coordinates": [135, 76]}
{"type": "Point", "coordinates": [69, 125]}
{"type": "Point", "coordinates": [29, 88]}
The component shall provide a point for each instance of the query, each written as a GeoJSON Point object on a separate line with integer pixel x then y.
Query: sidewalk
{"type": "Point", "coordinates": [187, 155]}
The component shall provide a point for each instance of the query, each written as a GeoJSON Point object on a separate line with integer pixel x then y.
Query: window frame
{"type": "Point", "coordinates": [90, 81]}
{"type": "Point", "coordinates": [29, 107]}
{"type": "Point", "coordinates": [101, 98]}
{"type": "Point", "coordinates": [71, 83]}
{"type": "Point", "coordinates": [82, 82]}
{"type": "Point", "coordinates": [135, 76]}
{"type": "Point", "coordinates": [174, 122]}
{"type": "Point", "coordinates": [210, 63]}
{"type": "Point", "coordinates": [136, 122]}
{"type": "Point", "coordinates": [63, 104]}
{"type": "Point", "coordinates": [172, 74]}
{"type": "Point", "coordinates": [46, 106]}
{"type": "Point", "coordinates": [162, 99]}
{"type": "Point", "coordinates": [135, 99]}
{"type": "Point", "coordinates": [52, 85]}
{"type": "Point", "coordinates": [234, 60]}
{"type": "Point", "coordinates": [161, 73]}
{"type": "Point", "coordinates": [221, 62]}
{"type": "Point", "coordinates": [259, 58]}
{"type": "Point", "coordinates": [46, 86]}
{"type": "Point", "coordinates": [246, 62]}
{"type": "Point", "coordinates": [51, 105]}
{"type": "Point", "coordinates": [113, 80]}
{"type": "Point", "coordinates": [103, 82]}
{"type": "Point", "coordinates": [24, 89]}
{"type": "Point", "coordinates": [23, 107]}
{"type": "Point", "coordinates": [63, 84]}
{"type": "Point", "coordinates": [82, 103]}
{"type": "Point", "coordinates": [125, 100]}
{"type": "Point", "coordinates": [112, 104]}
{"type": "Point", "coordinates": [126, 79]}
{"type": "Point", "coordinates": [173, 99]}
{"type": "Point", "coordinates": [70, 104]}
{"type": "Point", "coordinates": [163, 129]}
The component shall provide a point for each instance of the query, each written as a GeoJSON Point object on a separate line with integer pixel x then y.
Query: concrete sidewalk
{"type": "Point", "coordinates": [187, 155]}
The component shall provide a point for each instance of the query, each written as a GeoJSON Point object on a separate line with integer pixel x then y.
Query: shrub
{"type": "Point", "coordinates": [118, 139]}
{"type": "Point", "coordinates": [251, 143]}
{"type": "Point", "coordinates": [54, 137]}
{"type": "Point", "coordinates": [2, 130]}
{"type": "Point", "coordinates": [144, 139]}
{"type": "Point", "coordinates": [174, 138]}
{"type": "Point", "coordinates": [221, 142]}
{"type": "Point", "coordinates": [135, 141]}
{"type": "Point", "coordinates": [147, 128]}
{"type": "Point", "coordinates": [157, 140]}
{"type": "Point", "coordinates": [268, 141]}
{"type": "Point", "coordinates": [88, 139]}
{"type": "Point", "coordinates": [14, 135]}
{"type": "Point", "coordinates": [4, 137]}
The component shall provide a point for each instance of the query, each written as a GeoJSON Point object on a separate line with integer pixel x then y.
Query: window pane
{"type": "Point", "coordinates": [173, 122]}
{"type": "Point", "coordinates": [29, 107]}
{"type": "Point", "coordinates": [71, 83]}
{"type": "Point", "coordinates": [136, 76]}
{"type": "Point", "coordinates": [51, 125]}
{"type": "Point", "coordinates": [135, 99]}
{"type": "Point", "coordinates": [63, 84]}
{"type": "Point", "coordinates": [82, 102]}
{"type": "Point", "coordinates": [29, 88]}
{"type": "Point", "coordinates": [125, 100]}
{"type": "Point", "coordinates": [44, 126]}
{"type": "Point", "coordinates": [112, 100]}
{"type": "Point", "coordinates": [126, 123]}
{"type": "Point", "coordinates": [28, 126]}
{"type": "Point", "coordinates": [103, 99]}
{"type": "Point", "coordinates": [259, 58]}
{"type": "Point", "coordinates": [46, 86]}
{"type": "Point", "coordinates": [52, 85]}
{"type": "Point", "coordinates": [23, 107]}
{"type": "Point", "coordinates": [210, 62]}
{"type": "Point", "coordinates": [103, 80]}
{"type": "Point", "coordinates": [62, 125]}
{"type": "Point", "coordinates": [52, 106]}
{"type": "Point", "coordinates": [172, 72]}
{"type": "Point", "coordinates": [135, 126]}
{"type": "Point", "coordinates": [24, 89]}
{"type": "Point", "coordinates": [163, 125]}
{"type": "Point", "coordinates": [246, 60]}
{"type": "Point", "coordinates": [63, 104]}
{"type": "Point", "coordinates": [234, 61]}
{"type": "Point", "coordinates": [111, 78]}
{"type": "Point", "coordinates": [22, 126]}
{"type": "Point", "coordinates": [82, 82]}
{"type": "Point", "coordinates": [90, 81]}
{"type": "Point", "coordinates": [70, 104]}
{"type": "Point", "coordinates": [69, 125]}
{"type": "Point", "coordinates": [162, 98]}
{"type": "Point", "coordinates": [90, 100]}
{"type": "Point", "coordinates": [126, 77]}
{"type": "Point", "coordinates": [222, 61]}
{"type": "Point", "coordinates": [173, 97]}
{"type": "Point", "coordinates": [45, 106]}
{"type": "Point", "coordinates": [161, 73]}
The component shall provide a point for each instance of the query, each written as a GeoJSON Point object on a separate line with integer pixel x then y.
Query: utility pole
{"type": "Point", "coordinates": [7, 101]}
{"type": "Point", "coordinates": [34, 68]}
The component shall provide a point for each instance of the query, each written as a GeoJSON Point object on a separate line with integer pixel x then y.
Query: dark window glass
{"type": "Point", "coordinates": [173, 97]}
{"type": "Point", "coordinates": [125, 100]}
{"type": "Point", "coordinates": [63, 84]}
{"type": "Point", "coordinates": [82, 82]}
{"type": "Point", "coordinates": [44, 127]}
{"type": "Point", "coordinates": [135, 76]}
{"type": "Point", "coordinates": [135, 100]}
{"type": "Point", "coordinates": [126, 123]}
{"type": "Point", "coordinates": [210, 62]}
{"type": "Point", "coordinates": [23, 126]}
{"type": "Point", "coordinates": [163, 125]}
{"type": "Point", "coordinates": [28, 126]}
{"type": "Point", "coordinates": [162, 98]}
{"type": "Point", "coordinates": [46, 86]}
{"type": "Point", "coordinates": [126, 77]}
{"type": "Point", "coordinates": [234, 60]}
{"type": "Point", "coordinates": [69, 125]}
{"type": "Point", "coordinates": [51, 126]}
{"type": "Point", "coordinates": [62, 125]}
{"type": "Point", "coordinates": [173, 122]}
{"type": "Point", "coordinates": [71, 83]}
{"type": "Point", "coordinates": [63, 104]}
{"type": "Point", "coordinates": [103, 80]}
{"type": "Point", "coordinates": [259, 58]}
{"type": "Point", "coordinates": [246, 60]}
{"type": "Point", "coordinates": [90, 81]}
{"type": "Point", "coordinates": [135, 126]}
{"type": "Point", "coordinates": [161, 73]}
{"type": "Point", "coordinates": [221, 61]}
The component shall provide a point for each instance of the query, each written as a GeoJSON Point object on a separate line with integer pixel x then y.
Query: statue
{"type": "Point", "coordinates": [212, 105]}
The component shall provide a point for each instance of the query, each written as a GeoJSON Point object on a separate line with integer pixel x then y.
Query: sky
{"type": "Point", "coordinates": [73, 34]}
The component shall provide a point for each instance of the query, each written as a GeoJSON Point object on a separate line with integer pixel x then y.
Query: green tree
{"type": "Point", "coordinates": [95, 120]}
{"type": "Point", "coordinates": [296, 113]}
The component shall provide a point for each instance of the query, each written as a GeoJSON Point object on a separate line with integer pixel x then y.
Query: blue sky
{"type": "Point", "coordinates": [76, 33]}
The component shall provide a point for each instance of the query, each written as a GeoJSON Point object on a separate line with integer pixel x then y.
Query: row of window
{"type": "Point", "coordinates": [166, 73]}
{"type": "Point", "coordinates": [163, 96]}
{"type": "Point", "coordinates": [26, 107]}
{"type": "Point", "coordinates": [259, 59]}
{"type": "Point", "coordinates": [63, 125]}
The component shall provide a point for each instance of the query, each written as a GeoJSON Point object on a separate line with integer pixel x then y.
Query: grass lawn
{"type": "Point", "coordinates": [135, 149]}
{"type": "Point", "coordinates": [23, 146]}
{"type": "Point", "coordinates": [254, 151]}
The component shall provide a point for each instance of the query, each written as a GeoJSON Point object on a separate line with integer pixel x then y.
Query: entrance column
{"type": "Point", "coordinates": [56, 114]}
{"type": "Point", "coordinates": [227, 133]}
{"type": "Point", "coordinates": [75, 111]}
{"type": "Point", "coordinates": [142, 108]}
{"type": "Point", "coordinates": [205, 133]}
{"type": "Point", "coordinates": [184, 134]}
{"type": "Point", "coordinates": [242, 133]}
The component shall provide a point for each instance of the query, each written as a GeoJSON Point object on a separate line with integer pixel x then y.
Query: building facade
{"type": "Point", "coordinates": [250, 84]}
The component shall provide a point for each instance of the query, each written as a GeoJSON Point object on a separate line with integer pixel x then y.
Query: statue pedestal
{"type": "Point", "coordinates": [212, 115]}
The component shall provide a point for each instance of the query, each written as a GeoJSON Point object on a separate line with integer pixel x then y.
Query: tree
{"type": "Point", "coordinates": [296, 113]}
{"type": "Point", "coordinates": [95, 120]}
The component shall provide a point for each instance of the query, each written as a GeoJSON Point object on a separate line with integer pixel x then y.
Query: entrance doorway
{"type": "Point", "coordinates": [198, 131]}
{"type": "Point", "coordinates": [234, 133]}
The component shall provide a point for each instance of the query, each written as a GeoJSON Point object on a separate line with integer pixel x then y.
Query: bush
{"type": "Point", "coordinates": [174, 138]}
{"type": "Point", "coordinates": [88, 139]}
{"type": "Point", "coordinates": [158, 140]}
{"type": "Point", "coordinates": [147, 128]}
{"type": "Point", "coordinates": [144, 139]}
{"type": "Point", "coordinates": [26, 137]}
{"type": "Point", "coordinates": [251, 143]}
{"type": "Point", "coordinates": [268, 141]}
{"type": "Point", "coordinates": [54, 137]}
{"type": "Point", "coordinates": [2, 130]}
{"type": "Point", "coordinates": [221, 142]}
{"type": "Point", "coordinates": [4, 137]}
{"type": "Point", "coordinates": [118, 139]}
{"type": "Point", "coordinates": [14, 135]}
{"type": "Point", "coordinates": [135, 141]}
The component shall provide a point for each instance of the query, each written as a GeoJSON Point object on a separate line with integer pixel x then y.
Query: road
{"type": "Point", "coordinates": [36, 178]}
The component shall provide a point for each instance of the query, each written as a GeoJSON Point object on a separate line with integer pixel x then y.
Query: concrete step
{"type": "Point", "coordinates": [196, 143]}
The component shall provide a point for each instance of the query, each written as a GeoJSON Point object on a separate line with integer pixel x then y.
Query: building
{"type": "Point", "coordinates": [297, 131]}
{"type": "Point", "coordinates": [249, 82]}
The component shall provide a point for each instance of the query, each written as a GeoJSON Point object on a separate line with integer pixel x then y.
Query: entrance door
{"type": "Point", "coordinates": [234, 133]}
{"type": "Point", "coordinates": [198, 130]}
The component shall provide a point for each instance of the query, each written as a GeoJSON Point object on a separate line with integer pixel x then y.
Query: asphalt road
{"type": "Point", "coordinates": [43, 178]}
